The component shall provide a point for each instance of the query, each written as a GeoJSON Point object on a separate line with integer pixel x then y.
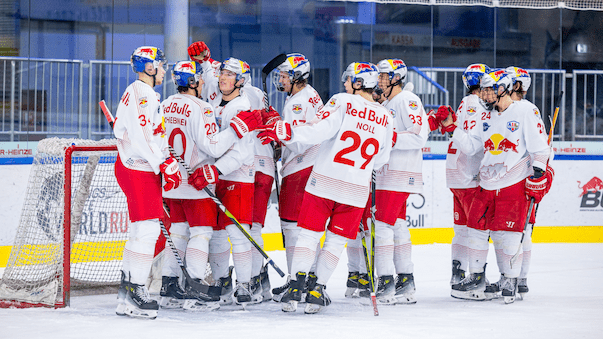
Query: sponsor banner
{"type": "Point", "coordinates": [18, 149]}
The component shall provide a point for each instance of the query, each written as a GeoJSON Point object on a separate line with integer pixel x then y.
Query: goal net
{"type": "Point", "coordinates": [73, 227]}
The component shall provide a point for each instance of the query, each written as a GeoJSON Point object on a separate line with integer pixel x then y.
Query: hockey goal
{"type": "Point", "coordinates": [73, 227]}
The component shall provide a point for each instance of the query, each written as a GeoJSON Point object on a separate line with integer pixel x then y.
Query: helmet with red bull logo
{"type": "Point", "coordinates": [520, 75]}
{"type": "Point", "coordinates": [392, 67]}
{"type": "Point", "coordinates": [496, 78]}
{"type": "Point", "coordinates": [147, 54]}
{"type": "Point", "coordinates": [186, 73]}
{"type": "Point", "coordinates": [236, 66]}
{"type": "Point", "coordinates": [473, 74]}
{"type": "Point", "coordinates": [364, 72]}
{"type": "Point", "coordinates": [297, 67]}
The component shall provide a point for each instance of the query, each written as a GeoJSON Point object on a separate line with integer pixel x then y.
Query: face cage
{"type": "Point", "coordinates": [276, 80]}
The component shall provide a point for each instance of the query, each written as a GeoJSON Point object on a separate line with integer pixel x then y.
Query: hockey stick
{"type": "Point", "coordinates": [270, 66]}
{"type": "Point", "coordinates": [228, 214]}
{"type": "Point", "coordinates": [369, 271]}
{"type": "Point", "coordinates": [373, 209]}
{"type": "Point", "coordinates": [197, 286]}
{"type": "Point", "coordinates": [550, 143]}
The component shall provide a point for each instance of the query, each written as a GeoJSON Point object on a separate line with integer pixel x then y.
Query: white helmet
{"type": "Point", "coordinates": [365, 72]}
{"type": "Point", "coordinates": [392, 67]}
{"type": "Point", "coordinates": [246, 73]}
{"type": "Point", "coordinates": [496, 79]}
{"type": "Point", "coordinates": [296, 66]}
{"type": "Point", "coordinates": [473, 74]}
{"type": "Point", "coordinates": [236, 66]}
{"type": "Point", "coordinates": [520, 75]}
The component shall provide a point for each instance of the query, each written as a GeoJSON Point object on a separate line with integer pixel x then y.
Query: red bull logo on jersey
{"type": "Point", "coordinates": [208, 112]}
{"type": "Point", "coordinates": [143, 102]}
{"type": "Point", "coordinates": [297, 109]}
{"type": "Point", "coordinates": [471, 110]}
{"type": "Point", "coordinates": [150, 52]}
{"type": "Point", "coordinates": [512, 126]}
{"type": "Point", "coordinates": [332, 102]}
{"type": "Point", "coordinates": [498, 144]}
{"type": "Point", "coordinates": [413, 105]}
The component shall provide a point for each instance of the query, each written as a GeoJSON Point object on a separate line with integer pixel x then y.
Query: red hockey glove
{"type": "Point", "coordinates": [171, 174]}
{"type": "Point", "coordinates": [245, 122]}
{"type": "Point", "coordinates": [450, 118]}
{"type": "Point", "coordinates": [433, 122]}
{"type": "Point", "coordinates": [536, 185]}
{"type": "Point", "coordinates": [199, 51]}
{"type": "Point", "coordinates": [550, 175]}
{"type": "Point", "coordinates": [270, 116]}
{"type": "Point", "coordinates": [203, 176]}
{"type": "Point", "coordinates": [281, 131]}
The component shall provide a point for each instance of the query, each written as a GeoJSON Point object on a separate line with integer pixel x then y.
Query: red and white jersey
{"type": "Point", "coordinates": [237, 164]}
{"type": "Point", "coordinates": [356, 137]}
{"type": "Point", "coordinates": [299, 109]}
{"type": "Point", "coordinates": [139, 129]}
{"type": "Point", "coordinates": [210, 79]}
{"type": "Point", "coordinates": [404, 171]}
{"type": "Point", "coordinates": [263, 153]}
{"type": "Point", "coordinates": [190, 124]}
{"type": "Point", "coordinates": [511, 141]}
{"type": "Point", "coordinates": [462, 170]}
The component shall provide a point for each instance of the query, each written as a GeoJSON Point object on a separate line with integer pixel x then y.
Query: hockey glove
{"type": "Point", "coordinates": [270, 116]}
{"type": "Point", "coordinates": [536, 185]}
{"type": "Point", "coordinates": [450, 117]}
{"type": "Point", "coordinates": [245, 122]}
{"type": "Point", "coordinates": [433, 122]}
{"type": "Point", "coordinates": [203, 176]}
{"type": "Point", "coordinates": [550, 175]}
{"type": "Point", "coordinates": [281, 131]}
{"type": "Point", "coordinates": [199, 51]}
{"type": "Point", "coordinates": [171, 174]}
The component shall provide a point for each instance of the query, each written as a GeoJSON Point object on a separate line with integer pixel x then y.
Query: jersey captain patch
{"type": "Point", "coordinates": [512, 126]}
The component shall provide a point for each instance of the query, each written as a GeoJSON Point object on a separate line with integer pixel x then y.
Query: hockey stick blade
{"type": "Point", "coordinates": [228, 214]}
{"type": "Point", "coordinates": [107, 113]}
{"type": "Point", "coordinates": [274, 63]}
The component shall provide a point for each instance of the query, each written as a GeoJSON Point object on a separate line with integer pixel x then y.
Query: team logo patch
{"type": "Point", "coordinates": [297, 109]}
{"type": "Point", "coordinates": [208, 112]}
{"type": "Point", "coordinates": [331, 102]}
{"type": "Point", "coordinates": [536, 113]}
{"type": "Point", "coordinates": [471, 110]}
{"type": "Point", "coordinates": [143, 102]}
{"type": "Point", "coordinates": [486, 126]}
{"type": "Point", "coordinates": [512, 126]}
{"type": "Point", "coordinates": [392, 112]}
{"type": "Point", "coordinates": [413, 105]}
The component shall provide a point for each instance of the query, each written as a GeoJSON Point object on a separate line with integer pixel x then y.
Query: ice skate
{"type": "Point", "coordinates": [405, 289]}
{"type": "Point", "coordinates": [293, 295]}
{"type": "Point", "coordinates": [316, 299]}
{"type": "Point", "coordinates": [351, 290]}
{"type": "Point", "coordinates": [309, 286]}
{"type": "Point", "coordinates": [471, 288]}
{"type": "Point", "coordinates": [139, 304]}
{"type": "Point", "coordinates": [172, 295]}
{"type": "Point", "coordinates": [203, 298]}
{"type": "Point", "coordinates": [492, 291]}
{"type": "Point", "coordinates": [522, 287]}
{"type": "Point", "coordinates": [255, 287]}
{"type": "Point", "coordinates": [225, 284]}
{"type": "Point", "coordinates": [277, 292]}
{"type": "Point", "coordinates": [121, 295]}
{"type": "Point", "coordinates": [364, 288]}
{"type": "Point", "coordinates": [508, 288]}
{"type": "Point", "coordinates": [457, 273]}
{"type": "Point", "coordinates": [265, 281]}
{"type": "Point", "coordinates": [242, 295]}
{"type": "Point", "coordinates": [386, 290]}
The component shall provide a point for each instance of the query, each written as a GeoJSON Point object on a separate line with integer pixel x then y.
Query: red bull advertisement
{"type": "Point", "coordinates": [498, 144]}
{"type": "Point", "coordinates": [149, 52]}
{"type": "Point", "coordinates": [186, 67]}
{"type": "Point", "coordinates": [362, 67]}
{"type": "Point", "coordinates": [296, 59]}
{"type": "Point", "coordinates": [591, 196]}
{"type": "Point", "coordinates": [396, 64]}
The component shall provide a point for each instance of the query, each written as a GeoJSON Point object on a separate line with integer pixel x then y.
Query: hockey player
{"type": "Point", "coordinates": [264, 179]}
{"type": "Point", "coordinates": [356, 137]}
{"type": "Point", "coordinates": [395, 181]}
{"type": "Point", "coordinates": [301, 106]}
{"type": "Point", "coordinates": [192, 132]}
{"type": "Point", "coordinates": [198, 51]}
{"type": "Point", "coordinates": [142, 159]}
{"type": "Point", "coordinates": [514, 167]}
{"type": "Point", "coordinates": [462, 170]}
{"type": "Point", "coordinates": [234, 188]}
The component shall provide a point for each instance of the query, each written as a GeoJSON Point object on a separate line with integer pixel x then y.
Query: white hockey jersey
{"type": "Point", "coordinates": [356, 137]}
{"type": "Point", "coordinates": [511, 141]}
{"type": "Point", "coordinates": [192, 131]}
{"type": "Point", "coordinates": [404, 170]}
{"type": "Point", "coordinates": [237, 164]}
{"type": "Point", "coordinates": [299, 109]}
{"type": "Point", "coordinates": [462, 170]}
{"type": "Point", "coordinates": [264, 161]}
{"type": "Point", "coordinates": [210, 79]}
{"type": "Point", "coordinates": [139, 129]}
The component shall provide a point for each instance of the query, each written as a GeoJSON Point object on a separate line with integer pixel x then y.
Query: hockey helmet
{"type": "Point", "coordinates": [246, 73]}
{"type": "Point", "coordinates": [145, 54]}
{"type": "Point", "coordinates": [473, 74]}
{"type": "Point", "coordinates": [236, 66]}
{"type": "Point", "coordinates": [496, 79]}
{"type": "Point", "coordinates": [297, 66]}
{"type": "Point", "coordinates": [520, 75]}
{"type": "Point", "coordinates": [186, 73]}
{"type": "Point", "coordinates": [364, 72]}
{"type": "Point", "coordinates": [393, 67]}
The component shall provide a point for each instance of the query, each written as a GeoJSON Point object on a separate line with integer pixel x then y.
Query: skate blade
{"type": "Point", "coordinates": [520, 296]}
{"type": "Point", "coordinates": [386, 300]}
{"type": "Point", "coordinates": [266, 296]}
{"type": "Point", "coordinates": [226, 300]}
{"type": "Point", "coordinates": [468, 295]}
{"type": "Point", "coordinates": [491, 296]}
{"type": "Point", "coordinates": [352, 292]}
{"type": "Point", "coordinates": [509, 300]}
{"type": "Point", "coordinates": [406, 299]}
{"type": "Point", "coordinates": [121, 309]}
{"type": "Point", "coordinates": [312, 308]}
{"type": "Point", "coordinates": [193, 305]}
{"type": "Point", "coordinates": [135, 312]}
{"type": "Point", "coordinates": [290, 306]}
{"type": "Point", "coordinates": [171, 303]}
